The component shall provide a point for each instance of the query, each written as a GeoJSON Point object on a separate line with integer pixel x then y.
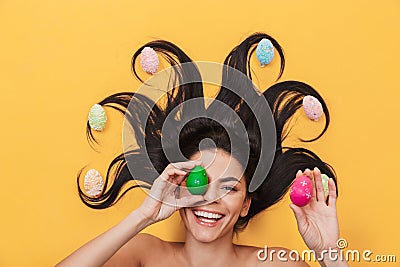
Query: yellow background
{"type": "Point", "coordinates": [60, 57]}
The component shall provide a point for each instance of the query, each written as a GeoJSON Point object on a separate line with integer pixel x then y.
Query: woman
{"type": "Point", "coordinates": [228, 204]}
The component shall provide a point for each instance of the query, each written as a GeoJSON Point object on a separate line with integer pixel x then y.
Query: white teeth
{"type": "Point", "coordinates": [207, 220]}
{"type": "Point", "coordinates": [207, 214]}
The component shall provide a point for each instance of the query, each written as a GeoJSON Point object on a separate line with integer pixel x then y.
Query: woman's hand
{"type": "Point", "coordinates": [163, 200]}
{"type": "Point", "coordinates": [166, 195]}
{"type": "Point", "coordinates": [317, 221]}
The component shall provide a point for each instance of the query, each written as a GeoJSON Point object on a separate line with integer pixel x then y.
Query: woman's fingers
{"type": "Point", "coordinates": [170, 171]}
{"type": "Point", "coordinates": [332, 193]}
{"type": "Point", "coordinates": [308, 173]}
{"type": "Point", "coordinates": [173, 172]}
{"type": "Point", "coordinates": [314, 193]}
{"type": "Point", "coordinates": [318, 189]}
{"type": "Point", "coordinates": [300, 217]}
{"type": "Point", "coordinates": [190, 201]}
{"type": "Point", "coordinates": [185, 165]}
{"type": "Point", "coordinates": [176, 172]}
{"type": "Point", "coordinates": [176, 176]}
{"type": "Point", "coordinates": [183, 192]}
{"type": "Point", "coordinates": [184, 168]}
{"type": "Point", "coordinates": [167, 186]}
{"type": "Point", "coordinates": [318, 185]}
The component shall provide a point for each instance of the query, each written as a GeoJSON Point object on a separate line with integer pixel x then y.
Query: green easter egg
{"type": "Point", "coordinates": [325, 180]}
{"type": "Point", "coordinates": [97, 117]}
{"type": "Point", "coordinates": [197, 181]}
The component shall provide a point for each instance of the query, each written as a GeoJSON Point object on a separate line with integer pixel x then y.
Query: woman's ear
{"type": "Point", "coordinates": [245, 207]}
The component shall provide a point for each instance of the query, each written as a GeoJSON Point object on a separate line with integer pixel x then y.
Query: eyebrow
{"type": "Point", "coordinates": [228, 179]}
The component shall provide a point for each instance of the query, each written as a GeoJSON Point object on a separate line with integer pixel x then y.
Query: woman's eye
{"type": "Point", "coordinates": [229, 188]}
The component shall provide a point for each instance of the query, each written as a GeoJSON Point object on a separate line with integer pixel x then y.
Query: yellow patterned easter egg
{"type": "Point", "coordinates": [93, 183]}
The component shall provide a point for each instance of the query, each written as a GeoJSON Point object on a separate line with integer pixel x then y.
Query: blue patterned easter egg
{"type": "Point", "coordinates": [97, 117]}
{"type": "Point", "coordinates": [265, 52]}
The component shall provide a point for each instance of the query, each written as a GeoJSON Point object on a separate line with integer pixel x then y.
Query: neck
{"type": "Point", "coordinates": [216, 253]}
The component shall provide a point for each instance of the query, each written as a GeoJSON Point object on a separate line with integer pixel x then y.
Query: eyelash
{"type": "Point", "coordinates": [230, 188]}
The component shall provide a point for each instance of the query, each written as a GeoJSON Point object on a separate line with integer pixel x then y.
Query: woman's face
{"type": "Point", "coordinates": [225, 195]}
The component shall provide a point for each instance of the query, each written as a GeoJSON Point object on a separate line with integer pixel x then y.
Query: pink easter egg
{"type": "Point", "coordinates": [149, 60]}
{"type": "Point", "coordinates": [301, 191]}
{"type": "Point", "coordinates": [312, 107]}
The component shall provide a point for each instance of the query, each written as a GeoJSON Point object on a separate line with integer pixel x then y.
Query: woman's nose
{"type": "Point", "coordinates": [212, 193]}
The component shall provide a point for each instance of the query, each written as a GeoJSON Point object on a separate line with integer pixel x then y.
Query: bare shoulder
{"type": "Point", "coordinates": [136, 251]}
{"type": "Point", "coordinates": [268, 256]}
{"type": "Point", "coordinates": [142, 242]}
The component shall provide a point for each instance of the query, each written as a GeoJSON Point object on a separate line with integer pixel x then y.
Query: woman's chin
{"type": "Point", "coordinates": [204, 237]}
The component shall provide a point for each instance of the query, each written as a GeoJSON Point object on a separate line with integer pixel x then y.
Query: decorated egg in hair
{"type": "Point", "coordinates": [97, 117]}
{"type": "Point", "coordinates": [93, 183]}
{"type": "Point", "coordinates": [265, 52]}
{"type": "Point", "coordinates": [312, 107]}
{"type": "Point", "coordinates": [149, 60]}
{"type": "Point", "coordinates": [197, 181]}
{"type": "Point", "coordinates": [301, 191]}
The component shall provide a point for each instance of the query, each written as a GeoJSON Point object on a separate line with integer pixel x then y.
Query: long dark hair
{"type": "Point", "coordinates": [284, 99]}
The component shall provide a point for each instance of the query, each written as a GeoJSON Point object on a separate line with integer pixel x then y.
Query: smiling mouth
{"type": "Point", "coordinates": [207, 218]}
